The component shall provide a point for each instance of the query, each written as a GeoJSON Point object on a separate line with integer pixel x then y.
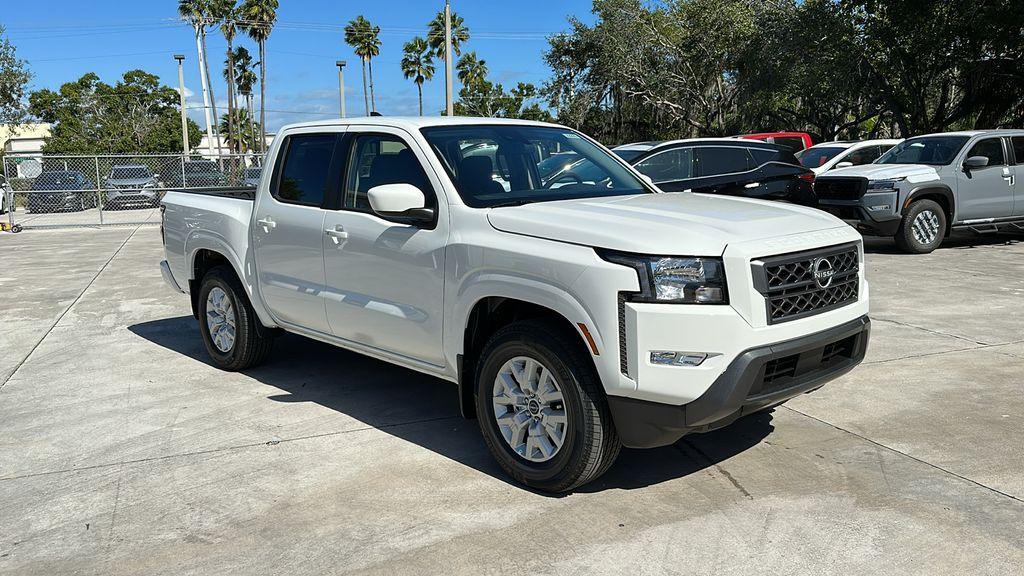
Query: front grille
{"type": "Point", "coordinates": [791, 289]}
{"type": "Point", "coordinates": [835, 188]}
{"type": "Point", "coordinates": [787, 371]}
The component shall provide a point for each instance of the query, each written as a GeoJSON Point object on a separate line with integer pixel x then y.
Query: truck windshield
{"type": "Point", "coordinates": [502, 165]}
{"type": "Point", "coordinates": [931, 150]}
{"type": "Point", "coordinates": [814, 157]}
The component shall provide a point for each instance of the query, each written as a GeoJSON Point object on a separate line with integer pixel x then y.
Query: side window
{"type": "Point", "coordinates": [794, 144]}
{"type": "Point", "coordinates": [762, 156]}
{"type": "Point", "coordinates": [991, 148]}
{"type": "Point", "coordinates": [304, 172]}
{"type": "Point", "coordinates": [1018, 149]}
{"type": "Point", "coordinates": [715, 160]}
{"type": "Point", "coordinates": [865, 155]}
{"type": "Point", "coordinates": [675, 164]}
{"type": "Point", "coordinates": [377, 159]}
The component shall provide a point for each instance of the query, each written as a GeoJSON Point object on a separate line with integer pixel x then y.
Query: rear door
{"type": "Point", "coordinates": [385, 280]}
{"type": "Point", "coordinates": [672, 165]}
{"type": "Point", "coordinates": [288, 228]}
{"type": "Point", "coordinates": [985, 192]}
{"type": "Point", "coordinates": [1017, 143]}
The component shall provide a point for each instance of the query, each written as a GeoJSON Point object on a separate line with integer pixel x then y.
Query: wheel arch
{"type": "Point", "coordinates": [206, 251]}
{"type": "Point", "coordinates": [939, 193]}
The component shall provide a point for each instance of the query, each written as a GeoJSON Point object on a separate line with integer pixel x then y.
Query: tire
{"type": "Point", "coordinates": [923, 227]}
{"type": "Point", "coordinates": [250, 341]}
{"type": "Point", "coordinates": [589, 443]}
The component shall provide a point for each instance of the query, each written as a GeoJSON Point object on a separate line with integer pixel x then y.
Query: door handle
{"type": "Point", "coordinates": [267, 223]}
{"type": "Point", "coordinates": [337, 233]}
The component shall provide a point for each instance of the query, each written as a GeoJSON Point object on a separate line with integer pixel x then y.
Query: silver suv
{"type": "Point", "coordinates": [927, 186]}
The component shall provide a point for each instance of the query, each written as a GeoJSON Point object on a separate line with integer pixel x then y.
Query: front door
{"type": "Point", "coordinates": [985, 192]}
{"type": "Point", "coordinates": [1018, 172]}
{"type": "Point", "coordinates": [288, 230]}
{"type": "Point", "coordinates": [385, 280]}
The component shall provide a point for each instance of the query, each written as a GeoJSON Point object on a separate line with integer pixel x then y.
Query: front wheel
{"type": "Point", "coordinates": [923, 227]}
{"type": "Point", "coordinates": [541, 409]}
{"type": "Point", "coordinates": [234, 337]}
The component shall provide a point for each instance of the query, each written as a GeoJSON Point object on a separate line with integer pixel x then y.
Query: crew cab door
{"type": "Point", "coordinates": [985, 192]}
{"type": "Point", "coordinates": [385, 279]}
{"type": "Point", "coordinates": [288, 226]}
{"type": "Point", "coordinates": [1017, 143]}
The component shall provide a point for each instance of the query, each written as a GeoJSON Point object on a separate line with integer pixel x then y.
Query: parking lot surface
{"type": "Point", "coordinates": [122, 451]}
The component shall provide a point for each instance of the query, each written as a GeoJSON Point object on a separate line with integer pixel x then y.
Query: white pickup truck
{"type": "Point", "coordinates": [575, 316]}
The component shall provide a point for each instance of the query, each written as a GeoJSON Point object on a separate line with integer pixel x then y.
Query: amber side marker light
{"type": "Point", "coordinates": [589, 338]}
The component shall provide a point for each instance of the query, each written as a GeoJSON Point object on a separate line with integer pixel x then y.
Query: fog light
{"type": "Point", "coordinates": [666, 358]}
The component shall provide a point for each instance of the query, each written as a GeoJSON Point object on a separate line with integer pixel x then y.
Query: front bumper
{"type": "Point", "coordinates": [757, 379]}
{"type": "Point", "coordinates": [874, 214]}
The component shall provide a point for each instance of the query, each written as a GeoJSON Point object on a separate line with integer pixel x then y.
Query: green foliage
{"type": "Point", "coordinates": [14, 77]}
{"type": "Point", "coordinates": [248, 127]}
{"type": "Point", "coordinates": [485, 99]}
{"type": "Point", "coordinates": [435, 35]}
{"type": "Point", "coordinates": [417, 64]}
{"type": "Point", "coordinates": [136, 115]}
{"type": "Point", "coordinates": [836, 68]}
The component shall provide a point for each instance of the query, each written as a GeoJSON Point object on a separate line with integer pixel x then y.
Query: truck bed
{"type": "Point", "coordinates": [224, 191]}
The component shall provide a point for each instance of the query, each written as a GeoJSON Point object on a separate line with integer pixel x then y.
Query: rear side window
{"type": "Point", "coordinates": [794, 144]}
{"type": "Point", "coordinates": [378, 159]}
{"type": "Point", "coordinates": [675, 164]}
{"type": "Point", "coordinates": [991, 148]}
{"type": "Point", "coordinates": [715, 160]}
{"type": "Point", "coordinates": [1018, 149]}
{"type": "Point", "coordinates": [865, 155]}
{"type": "Point", "coordinates": [304, 173]}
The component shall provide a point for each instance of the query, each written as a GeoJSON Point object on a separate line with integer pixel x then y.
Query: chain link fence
{"type": "Point", "coordinates": [58, 191]}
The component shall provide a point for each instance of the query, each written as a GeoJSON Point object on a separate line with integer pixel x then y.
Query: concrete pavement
{"type": "Point", "coordinates": [123, 452]}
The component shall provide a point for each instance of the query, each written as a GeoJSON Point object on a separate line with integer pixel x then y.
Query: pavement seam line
{"type": "Point", "coordinates": [68, 309]}
{"type": "Point", "coordinates": [930, 331]}
{"type": "Point", "coordinates": [970, 349]}
{"type": "Point", "coordinates": [227, 448]}
{"type": "Point", "coordinates": [914, 458]}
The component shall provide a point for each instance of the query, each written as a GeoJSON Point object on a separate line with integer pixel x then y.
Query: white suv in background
{"type": "Point", "coordinates": [823, 157]}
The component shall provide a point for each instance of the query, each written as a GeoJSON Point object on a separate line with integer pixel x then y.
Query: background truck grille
{"type": "Point", "coordinates": [835, 188]}
{"type": "Point", "coordinates": [791, 290]}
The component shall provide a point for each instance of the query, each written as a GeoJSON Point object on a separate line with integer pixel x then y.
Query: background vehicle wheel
{"type": "Point", "coordinates": [234, 336]}
{"type": "Point", "coordinates": [923, 227]}
{"type": "Point", "coordinates": [541, 407]}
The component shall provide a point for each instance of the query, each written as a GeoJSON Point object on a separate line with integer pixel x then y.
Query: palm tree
{"type": "Point", "coordinates": [364, 38]}
{"type": "Point", "coordinates": [471, 70]}
{"type": "Point", "coordinates": [197, 14]}
{"type": "Point", "coordinates": [435, 35]}
{"type": "Point", "coordinates": [225, 12]}
{"type": "Point", "coordinates": [417, 64]}
{"type": "Point", "coordinates": [240, 140]}
{"type": "Point", "coordinates": [246, 79]}
{"type": "Point", "coordinates": [259, 17]}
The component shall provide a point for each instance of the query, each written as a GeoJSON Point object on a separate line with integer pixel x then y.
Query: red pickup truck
{"type": "Point", "coordinates": [795, 140]}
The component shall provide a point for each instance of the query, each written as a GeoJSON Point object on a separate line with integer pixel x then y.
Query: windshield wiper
{"type": "Point", "coordinates": [519, 202]}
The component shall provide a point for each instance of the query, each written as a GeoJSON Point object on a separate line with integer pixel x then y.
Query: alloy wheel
{"type": "Point", "coordinates": [529, 409]}
{"type": "Point", "coordinates": [220, 319]}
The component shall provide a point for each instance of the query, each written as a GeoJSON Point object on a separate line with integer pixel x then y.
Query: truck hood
{"type": "Point", "coordinates": [130, 181]}
{"type": "Point", "coordinates": [681, 223]}
{"type": "Point", "coordinates": [883, 171]}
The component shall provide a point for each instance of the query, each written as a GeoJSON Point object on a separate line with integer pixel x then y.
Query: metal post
{"type": "Point", "coordinates": [449, 106]}
{"type": "Point", "coordinates": [99, 197]}
{"type": "Point", "coordinates": [341, 85]}
{"type": "Point", "coordinates": [181, 89]}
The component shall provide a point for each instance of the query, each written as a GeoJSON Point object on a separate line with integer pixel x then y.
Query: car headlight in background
{"type": "Point", "coordinates": [675, 279]}
{"type": "Point", "coordinates": [887, 184]}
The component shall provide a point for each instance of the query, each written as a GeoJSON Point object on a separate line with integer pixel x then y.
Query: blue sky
{"type": "Point", "coordinates": [63, 39]}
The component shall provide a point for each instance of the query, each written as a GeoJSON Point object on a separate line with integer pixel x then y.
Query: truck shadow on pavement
{"type": "Point", "coordinates": [424, 410]}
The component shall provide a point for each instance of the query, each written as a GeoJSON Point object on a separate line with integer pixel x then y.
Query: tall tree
{"type": "Point", "coordinates": [246, 79]}
{"type": "Point", "coordinates": [435, 35]}
{"type": "Point", "coordinates": [197, 14]}
{"type": "Point", "coordinates": [225, 12]}
{"type": "Point", "coordinates": [241, 140]}
{"type": "Point", "coordinates": [364, 38]}
{"type": "Point", "coordinates": [470, 69]}
{"type": "Point", "coordinates": [259, 17]}
{"type": "Point", "coordinates": [417, 64]}
{"type": "Point", "coordinates": [14, 77]}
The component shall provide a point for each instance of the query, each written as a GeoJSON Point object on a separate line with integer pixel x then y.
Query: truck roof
{"type": "Point", "coordinates": [417, 122]}
{"type": "Point", "coordinates": [995, 131]}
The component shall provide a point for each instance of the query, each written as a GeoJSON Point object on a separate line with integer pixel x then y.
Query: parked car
{"type": "Point", "coordinates": [795, 141]}
{"type": "Point", "coordinates": [927, 186]}
{"type": "Point", "coordinates": [61, 190]}
{"type": "Point", "coordinates": [130, 185]}
{"type": "Point", "coordinates": [251, 176]}
{"type": "Point", "coordinates": [727, 166]}
{"type": "Point", "coordinates": [197, 174]}
{"type": "Point", "coordinates": [823, 157]}
{"type": "Point", "coordinates": [574, 319]}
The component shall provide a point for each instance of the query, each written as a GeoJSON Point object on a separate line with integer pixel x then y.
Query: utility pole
{"type": "Point", "coordinates": [206, 96]}
{"type": "Point", "coordinates": [341, 85]}
{"type": "Point", "coordinates": [181, 90]}
{"type": "Point", "coordinates": [449, 106]}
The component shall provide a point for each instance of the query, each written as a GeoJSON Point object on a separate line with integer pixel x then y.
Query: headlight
{"type": "Point", "coordinates": [149, 184]}
{"type": "Point", "coordinates": [677, 279]}
{"type": "Point", "coordinates": [888, 184]}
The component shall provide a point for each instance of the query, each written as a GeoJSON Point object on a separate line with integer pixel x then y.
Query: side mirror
{"type": "Point", "coordinates": [975, 162]}
{"type": "Point", "coordinates": [844, 164]}
{"type": "Point", "coordinates": [400, 202]}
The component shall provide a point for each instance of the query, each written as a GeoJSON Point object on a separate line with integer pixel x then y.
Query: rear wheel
{"type": "Point", "coordinates": [923, 227]}
{"type": "Point", "coordinates": [541, 409]}
{"type": "Point", "coordinates": [234, 337]}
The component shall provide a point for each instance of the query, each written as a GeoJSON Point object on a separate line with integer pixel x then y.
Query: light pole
{"type": "Point", "coordinates": [181, 90]}
{"type": "Point", "coordinates": [341, 85]}
{"type": "Point", "coordinates": [449, 107]}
